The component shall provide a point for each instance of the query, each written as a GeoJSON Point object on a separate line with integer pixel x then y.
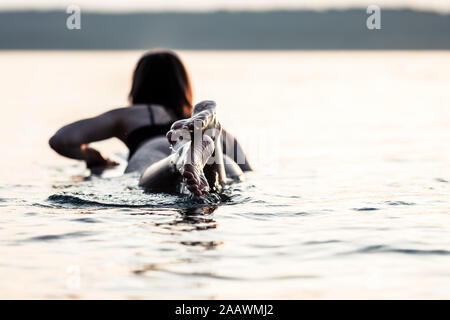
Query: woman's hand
{"type": "Point", "coordinates": [95, 159]}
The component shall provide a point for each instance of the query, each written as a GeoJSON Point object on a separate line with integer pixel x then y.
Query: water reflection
{"type": "Point", "coordinates": [182, 223]}
{"type": "Point", "coordinates": [191, 218]}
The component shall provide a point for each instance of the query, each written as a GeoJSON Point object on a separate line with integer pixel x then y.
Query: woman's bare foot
{"type": "Point", "coordinates": [193, 141]}
{"type": "Point", "coordinates": [195, 159]}
{"type": "Point", "coordinates": [203, 119]}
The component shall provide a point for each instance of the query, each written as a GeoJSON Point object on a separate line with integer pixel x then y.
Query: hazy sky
{"type": "Point", "coordinates": [133, 5]}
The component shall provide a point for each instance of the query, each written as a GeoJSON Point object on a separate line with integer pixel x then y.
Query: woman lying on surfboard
{"type": "Point", "coordinates": [171, 143]}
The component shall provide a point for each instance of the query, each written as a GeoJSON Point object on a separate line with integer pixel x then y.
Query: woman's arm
{"type": "Point", "coordinates": [233, 149]}
{"type": "Point", "coordinates": [72, 140]}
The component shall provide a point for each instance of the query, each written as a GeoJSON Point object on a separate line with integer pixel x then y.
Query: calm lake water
{"type": "Point", "coordinates": [349, 199]}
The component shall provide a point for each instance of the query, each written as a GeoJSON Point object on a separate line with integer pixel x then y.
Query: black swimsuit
{"type": "Point", "coordinates": [140, 135]}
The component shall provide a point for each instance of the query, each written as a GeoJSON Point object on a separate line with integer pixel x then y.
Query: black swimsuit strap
{"type": "Point", "coordinates": [152, 117]}
{"type": "Point", "coordinates": [136, 137]}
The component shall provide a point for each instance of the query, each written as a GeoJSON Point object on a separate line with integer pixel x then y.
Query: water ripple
{"type": "Point", "coordinates": [365, 209]}
{"type": "Point", "coordinates": [399, 203]}
{"type": "Point", "coordinates": [52, 237]}
{"type": "Point", "coordinates": [387, 249]}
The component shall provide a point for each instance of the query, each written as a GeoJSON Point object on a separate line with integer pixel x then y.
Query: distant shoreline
{"type": "Point", "coordinates": [402, 29]}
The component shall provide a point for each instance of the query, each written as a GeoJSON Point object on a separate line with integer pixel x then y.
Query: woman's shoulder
{"type": "Point", "coordinates": [139, 114]}
{"type": "Point", "coordinates": [162, 114]}
{"type": "Point", "coordinates": [117, 112]}
{"type": "Point", "coordinates": [123, 113]}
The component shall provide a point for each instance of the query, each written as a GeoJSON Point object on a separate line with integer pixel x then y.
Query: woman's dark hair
{"type": "Point", "coordinates": [161, 78]}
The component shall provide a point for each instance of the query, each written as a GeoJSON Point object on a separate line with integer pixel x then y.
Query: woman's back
{"type": "Point", "coordinates": [139, 123]}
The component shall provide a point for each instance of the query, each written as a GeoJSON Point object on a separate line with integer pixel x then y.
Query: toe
{"type": "Point", "coordinates": [169, 137]}
{"type": "Point", "coordinates": [189, 168]}
{"type": "Point", "coordinates": [194, 189]}
{"type": "Point", "coordinates": [188, 175]}
{"type": "Point", "coordinates": [191, 181]}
